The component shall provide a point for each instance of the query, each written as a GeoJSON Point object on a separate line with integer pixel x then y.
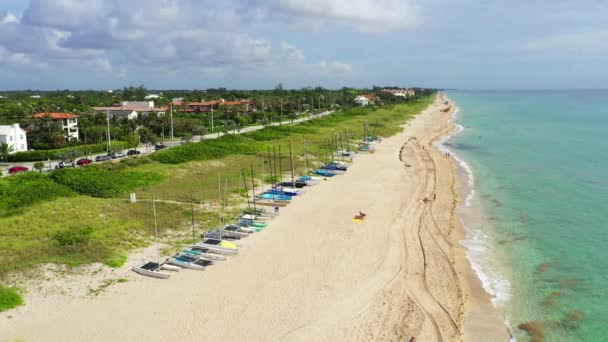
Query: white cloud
{"type": "Point", "coordinates": [144, 37]}
{"type": "Point", "coordinates": [365, 15]}
{"type": "Point", "coordinates": [7, 17]}
{"type": "Point", "coordinates": [336, 67]}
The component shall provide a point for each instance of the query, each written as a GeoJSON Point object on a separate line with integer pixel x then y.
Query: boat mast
{"type": "Point", "coordinates": [325, 154]}
{"type": "Point", "coordinates": [245, 185]}
{"type": "Point", "coordinates": [293, 180]}
{"type": "Point", "coordinates": [192, 210]}
{"type": "Point", "coordinates": [347, 141]}
{"type": "Point", "coordinates": [280, 166]}
{"type": "Point", "coordinates": [253, 191]}
{"type": "Point", "coordinates": [219, 196]}
{"type": "Point", "coordinates": [155, 228]}
{"type": "Point", "coordinates": [269, 164]}
{"type": "Point", "coordinates": [224, 206]}
{"type": "Point", "coordinates": [306, 158]}
{"type": "Point", "coordinates": [274, 157]}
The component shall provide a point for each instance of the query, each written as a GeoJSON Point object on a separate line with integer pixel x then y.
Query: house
{"type": "Point", "coordinates": [67, 121]}
{"type": "Point", "coordinates": [153, 96]}
{"type": "Point", "coordinates": [242, 106]}
{"type": "Point", "coordinates": [35, 96]}
{"type": "Point", "coordinates": [14, 136]}
{"type": "Point", "coordinates": [365, 100]}
{"type": "Point", "coordinates": [401, 92]}
{"type": "Point", "coordinates": [130, 110]}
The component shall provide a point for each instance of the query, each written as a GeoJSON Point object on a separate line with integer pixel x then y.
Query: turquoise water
{"type": "Point", "coordinates": [540, 166]}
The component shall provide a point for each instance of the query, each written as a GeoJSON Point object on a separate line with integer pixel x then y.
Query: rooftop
{"type": "Point", "coordinates": [56, 116]}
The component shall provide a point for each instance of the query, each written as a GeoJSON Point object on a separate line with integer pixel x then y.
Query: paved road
{"type": "Point", "coordinates": [143, 149]}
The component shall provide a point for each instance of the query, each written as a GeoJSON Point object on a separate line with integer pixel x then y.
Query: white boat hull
{"type": "Point", "coordinates": [154, 274]}
{"type": "Point", "coordinates": [218, 249]}
{"type": "Point", "coordinates": [185, 264]}
{"type": "Point", "coordinates": [170, 268]}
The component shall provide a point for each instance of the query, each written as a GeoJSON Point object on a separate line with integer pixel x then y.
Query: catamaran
{"type": "Point", "coordinates": [153, 269]}
{"type": "Point", "coordinates": [324, 173]}
{"type": "Point", "coordinates": [218, 246]}
{"type": "Point", "coordinates": [182, 260]}
{"type": "Point", "coordinates": [273, 197]}
{"type": "Point", "coordinates": [150, 268]}
{"type": "Point", "coordinates": [204, 253]}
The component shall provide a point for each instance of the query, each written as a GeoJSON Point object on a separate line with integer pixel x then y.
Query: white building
{"type": "Point", "coordinates": [15, 137]}
{"type": "Point", "coordinates": [140, 104]}
{"type": "Point", "coordinates": [364, 100]}
{"type": "Point", "coordinates": [67, 121]}
{"type": "Point", "coordinates": [130, 110]}
{"type": "Point", "coordinates": [153, 96]}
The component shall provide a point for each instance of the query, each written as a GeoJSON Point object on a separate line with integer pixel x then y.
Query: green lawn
{"type": "Point", "coordinates": [77, 229]}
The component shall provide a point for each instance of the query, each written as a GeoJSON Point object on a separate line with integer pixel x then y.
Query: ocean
{"type": "Point", "coordinates": [535, 166]}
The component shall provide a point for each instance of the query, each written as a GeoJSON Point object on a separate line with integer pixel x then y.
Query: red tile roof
{"type": "Point", "coordinates": [56, 116]}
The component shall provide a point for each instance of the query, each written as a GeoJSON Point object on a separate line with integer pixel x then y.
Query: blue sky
{"type": "Point", "coordinates": [478, 44]}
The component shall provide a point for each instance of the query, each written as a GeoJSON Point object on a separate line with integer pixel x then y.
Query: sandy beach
{"type": "Point", "coordinates": [314, 274]}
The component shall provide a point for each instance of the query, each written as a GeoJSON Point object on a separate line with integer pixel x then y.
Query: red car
{"type": "Point", "coordinates": [16, 169]}
{"type": "Point", "coordinates": [84, 161]}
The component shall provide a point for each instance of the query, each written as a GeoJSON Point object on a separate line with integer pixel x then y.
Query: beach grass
{"type": "Point", "coordinates": [9, 298]}
{"type": "Point", "coordinates": [80, 229]}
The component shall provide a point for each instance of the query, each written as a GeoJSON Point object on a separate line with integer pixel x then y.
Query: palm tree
{"type": "Point", "coordinates": [5, 150]}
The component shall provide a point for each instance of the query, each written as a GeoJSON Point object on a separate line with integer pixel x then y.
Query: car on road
{"type": "Point", "coordinates": [102, 158]}
{"type": "Point", "coordinates": [133, 152]}
{"type": "Point", "coordinates": [63, 164]}
{"type": "Point", "coordinates": [17, 169]}
{"type": "Point", "coordinates": [159, 147]}
{"type": "Point", "coordinates": [116, 155]}
{"type": "Point", "coordinates": [84, 161]}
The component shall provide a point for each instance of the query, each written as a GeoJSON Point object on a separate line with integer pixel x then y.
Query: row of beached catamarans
{"type": "Point", "coordinates": [218, 245]}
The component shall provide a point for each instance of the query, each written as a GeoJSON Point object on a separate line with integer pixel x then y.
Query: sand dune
{"type": "Point", "coordinates": [314, 275]}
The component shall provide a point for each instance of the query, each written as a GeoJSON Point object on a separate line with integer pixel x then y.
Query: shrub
{"type": "Point", "coordinates": [9, 298]}
{"type": "Point", "coordinates": [208, 149]}
{"type": "Point", "coordinates": [23, 190]}
{"type": "Point", "coordinates": [73, 236]}
{"type": "Point", "coordinates": [135, 161]}
{"type": "Point", "coordinates": [116, 260]}
{"type": "Point", "coordinates": [36, 155]}
{"type": "Point", "coordinates": [104, 180]}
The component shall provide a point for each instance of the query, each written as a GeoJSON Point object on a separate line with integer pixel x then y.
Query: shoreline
{"type": "Point", "coordinates": [314, 274]}
{"type": "Point", "coordinates": [482, 320]}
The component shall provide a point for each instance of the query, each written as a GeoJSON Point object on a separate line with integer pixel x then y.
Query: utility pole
{"type": "Point", "coordinates": [171, 118]}
{"type": "Point", "coordinates": [108, 131]}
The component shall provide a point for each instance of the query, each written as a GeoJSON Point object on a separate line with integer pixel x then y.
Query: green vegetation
{"type": "Point", "coordinates": [116, 259]}
{"type": "Point", "coordinates": [73, 236]}
{"type": "Point", "coordinates": [9, 298]}
{"type": "Point", "coordinates": [208, 149]}
{"type": "Point", "coordinates": [97, 181]}
{"type": "Point", "coordinates": [73, 152]}
{"type": "Point", "coordinates": [26, 189]}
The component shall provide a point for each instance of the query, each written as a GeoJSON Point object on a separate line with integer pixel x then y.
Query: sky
{"type": "Point", "coordinates": [255, 44]}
